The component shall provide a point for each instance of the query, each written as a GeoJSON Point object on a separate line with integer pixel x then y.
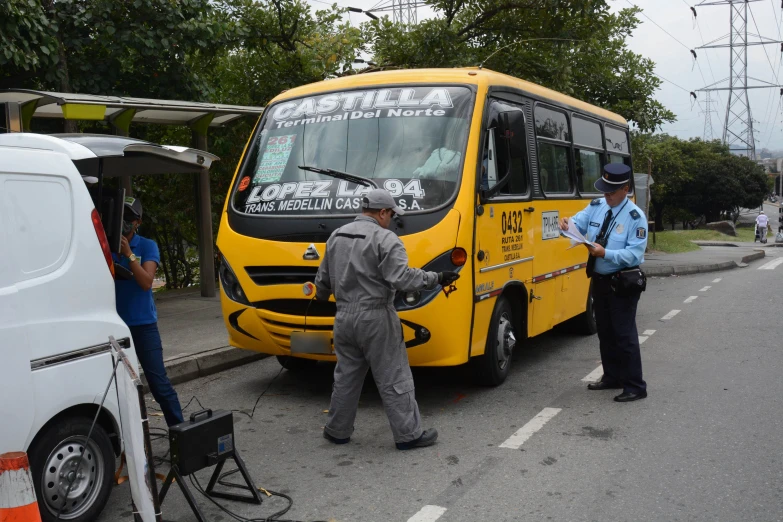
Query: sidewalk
{"type": "Point", "coordinates": [711, 257]}
{"type": "Point", "coordinates": [195, 342]}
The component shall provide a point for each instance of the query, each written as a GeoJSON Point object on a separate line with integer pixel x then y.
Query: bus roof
{"type": "Point", "coordinates": [468, 75]}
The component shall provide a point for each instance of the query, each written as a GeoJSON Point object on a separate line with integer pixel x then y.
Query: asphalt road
{"type": "Point", "coordinates": [705, 445]}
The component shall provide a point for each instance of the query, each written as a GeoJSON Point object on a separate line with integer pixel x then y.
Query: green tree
{"type": "Point", "coordinates": [577, 47]}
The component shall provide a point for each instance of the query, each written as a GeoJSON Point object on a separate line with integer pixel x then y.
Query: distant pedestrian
{"type": "Point", "coordinates": [761, 226]}
{"type": "Point", "coordinates": [136, 307]}
{"type": "Point", "coordinates": [618, 228]}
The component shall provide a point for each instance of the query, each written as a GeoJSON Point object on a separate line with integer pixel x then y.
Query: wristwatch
{"type": "Point", "coordinates": [133, 257]}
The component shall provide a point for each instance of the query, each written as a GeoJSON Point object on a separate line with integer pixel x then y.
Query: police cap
{"type": "Point", "coordinates": [615, 176]}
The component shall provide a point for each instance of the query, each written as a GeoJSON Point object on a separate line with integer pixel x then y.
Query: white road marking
{"type": "Point", "coordinates": [717, 280]}
{"type": "Point", "coordinates": [670, 315]}
{"type": "Point", "coordinates": [594, 375]}
{"type": "Point", "coordinates": [691, 299]}
{"type": "Point", "coordinates": [642, 338]}
{"type": "Point", "coordinates": [705, 289]}
{"type": "Point", "coordinates": [428, 514]}
{"type": "Point", "coordinates": [772, 265]}
{"type": "Point", "coordinates": [526, 431]}
{"type": "Point", "coordinates": [648, 332]}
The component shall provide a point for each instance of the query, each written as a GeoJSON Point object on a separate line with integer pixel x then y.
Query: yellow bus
{"type": "Point", "coordinates": [484, 165]}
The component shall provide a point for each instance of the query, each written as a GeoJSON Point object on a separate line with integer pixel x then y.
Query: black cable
{"type": "Point", "coordinates": [274, 517]}
{"type": "Point", "coordinates": [253, 412]}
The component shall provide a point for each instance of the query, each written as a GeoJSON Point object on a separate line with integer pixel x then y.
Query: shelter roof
{"type": "Point", "coordinates": [146, 110]}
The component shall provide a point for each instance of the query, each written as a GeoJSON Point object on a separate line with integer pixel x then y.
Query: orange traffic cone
{"type": "Point", "coordinates": [17, 495]}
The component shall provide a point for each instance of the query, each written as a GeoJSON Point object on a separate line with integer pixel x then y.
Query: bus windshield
{"type": "Point", "coordinates": [408, 140]}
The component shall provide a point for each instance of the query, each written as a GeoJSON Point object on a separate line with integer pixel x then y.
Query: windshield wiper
{"type": "Point", "coordinates": [353, 178]}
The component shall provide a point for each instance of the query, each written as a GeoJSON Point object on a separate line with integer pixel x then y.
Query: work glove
{"type": "Point", "coordinates": [446, 278]}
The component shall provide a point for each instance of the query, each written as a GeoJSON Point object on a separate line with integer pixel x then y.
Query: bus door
{"type": "Point", "coordinates": [558, 283]}
{"type": "Point", "coordinates": [503, 226]}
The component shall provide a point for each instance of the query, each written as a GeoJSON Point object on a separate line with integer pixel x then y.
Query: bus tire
{"type": "Point", "coordinates": [296, 364]}
{"type": "Point", "coordinates": [584, 323]}
{"type": "Point", "coordinates": [53, 456]}
{"type": "Point", "coordinates": [491, 369]}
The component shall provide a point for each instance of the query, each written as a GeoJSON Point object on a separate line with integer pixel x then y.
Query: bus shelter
{"type": "Point", "coordinates": [19, 106]}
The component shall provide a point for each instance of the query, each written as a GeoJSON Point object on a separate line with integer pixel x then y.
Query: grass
{"type": "Point", "coordinates": [676, 241]}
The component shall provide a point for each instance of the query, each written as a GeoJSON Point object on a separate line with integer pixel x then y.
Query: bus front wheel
{"type": "Point", "coordinates": [295, 364]}
{"type": "Point", "coordinates": [491, 369]}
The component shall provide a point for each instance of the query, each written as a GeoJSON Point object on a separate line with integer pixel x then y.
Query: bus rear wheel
{"type": "Point", "coordinates": [491, 369]}
{"type": "Point", "coordinates": [296, 364]}
{"type": "Point", "coordinates": [584, 323]}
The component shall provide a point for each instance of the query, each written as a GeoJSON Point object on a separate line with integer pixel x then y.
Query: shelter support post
{"type": "Point", "coordinates": [13, 117]}
{"type": "Point", "coordinates": [121, 123]}
{"type": "Point", "coordinates": [206, 241]}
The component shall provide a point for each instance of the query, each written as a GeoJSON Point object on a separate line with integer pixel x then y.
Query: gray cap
{"type": "Point", "coordinates": [134, 205]}
{"type": "Point", "coordinates": [379, 199]}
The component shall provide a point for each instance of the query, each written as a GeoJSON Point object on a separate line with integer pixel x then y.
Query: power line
{"type": "Point", "coordinates": [772, 67]}
{"type": "Point", "coordinates": [659, 27]}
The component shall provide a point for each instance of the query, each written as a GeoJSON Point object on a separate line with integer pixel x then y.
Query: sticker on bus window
{"type": "Point", "coordinates": [276, 153]}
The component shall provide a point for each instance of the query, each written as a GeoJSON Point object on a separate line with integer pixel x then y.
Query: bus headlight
{"type": "Point", "coordinates": [411, 298]}
{"type": "Point", "coordinates": [230, 283]}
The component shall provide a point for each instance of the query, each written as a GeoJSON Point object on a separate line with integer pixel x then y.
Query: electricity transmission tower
{"type": "Point", "coordinates": [738, 124]}
{"type": "Point", "coordinates": [403, 11]}
{"type": "Point", "coordinates": [709, 134]}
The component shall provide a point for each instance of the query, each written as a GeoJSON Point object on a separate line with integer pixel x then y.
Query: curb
{"type": "Point", "coordinates": [189, 367]}
{"type": "Point", "coordinates": [662, 271]}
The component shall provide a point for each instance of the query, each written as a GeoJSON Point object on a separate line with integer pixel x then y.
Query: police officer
{"type": "Point", "coordinates": [619, 230]}
{"type": "Point", "coordinates": [365, 263]}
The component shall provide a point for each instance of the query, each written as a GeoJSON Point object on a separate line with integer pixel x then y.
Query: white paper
{"type": "Point", "coordinates": [575, 235]}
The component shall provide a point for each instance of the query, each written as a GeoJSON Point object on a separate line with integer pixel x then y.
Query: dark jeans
{"type": "Point", "coordinates": [616, 320]}
{"type": "Point", "coordinates": [149, 351]}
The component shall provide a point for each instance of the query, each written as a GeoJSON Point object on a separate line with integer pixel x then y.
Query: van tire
{"type": "Point", "coordinates": [64, 438]}
{"type": "Point", "coordinates": [296, 364]}
{"type": "Point", "coordinates": [491, 369]}
{"type": "Point", "coordinates": [584, 323]}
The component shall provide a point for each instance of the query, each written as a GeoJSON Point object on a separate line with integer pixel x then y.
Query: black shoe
{"type": "Point", "coordinates": [336, 440]}
{"type": "Point", "coordinates": [630, 396]}
{"type": "Point", "coordinates": [601, 385]}
{"type": "Point", "coordinates": [428, 438]}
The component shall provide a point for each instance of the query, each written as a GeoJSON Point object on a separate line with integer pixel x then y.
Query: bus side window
{"type": "Point", "coordinates": [505, 150]}
{"type": "Point", "coordinates": [514, 139]}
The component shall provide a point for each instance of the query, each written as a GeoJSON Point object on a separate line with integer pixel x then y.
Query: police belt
{"type": "Point", "coordinates": [626, 282]}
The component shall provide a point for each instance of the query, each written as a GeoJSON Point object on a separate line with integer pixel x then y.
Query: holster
{"type": "Point", "coordinates": [629, 282]}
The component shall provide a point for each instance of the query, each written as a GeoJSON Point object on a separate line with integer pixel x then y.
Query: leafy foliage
{"type": "Point", "coordinates": [573, 46]}
{"type": "Point", "coordinates": [696, 179]}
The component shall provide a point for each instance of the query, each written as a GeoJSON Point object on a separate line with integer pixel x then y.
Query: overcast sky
{"type": "Point", "coordinates": [674, 61]}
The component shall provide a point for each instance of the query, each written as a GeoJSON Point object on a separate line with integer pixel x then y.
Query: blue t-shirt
{"type": "Point", "coordinates": [136, 306]}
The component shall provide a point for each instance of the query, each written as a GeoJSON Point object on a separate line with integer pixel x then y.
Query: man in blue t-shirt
{"type": "Point", "coordinates": [137, 308]}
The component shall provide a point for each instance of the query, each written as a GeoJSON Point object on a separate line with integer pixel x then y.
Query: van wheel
{"type": "Point", "coordinates": [296, 364]}
{"type": "Point", "coordinates": [584, 323]}
{"type": "Point", "coordinates": [491, 368]}
{"type": "Point", "coordinates": [54, 459]}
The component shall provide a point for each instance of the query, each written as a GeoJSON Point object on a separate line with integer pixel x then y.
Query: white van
{"type": "Point", "coordinates": [57, 307]}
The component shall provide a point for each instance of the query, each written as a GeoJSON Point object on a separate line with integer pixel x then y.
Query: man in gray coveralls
{"type": "Point", "coordinates": [363, 267]}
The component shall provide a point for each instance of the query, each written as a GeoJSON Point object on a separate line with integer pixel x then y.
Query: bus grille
{"type": "Point", "coordinates": [299, 307]}
{"type": "Point", "coordinates": [281, 275]}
